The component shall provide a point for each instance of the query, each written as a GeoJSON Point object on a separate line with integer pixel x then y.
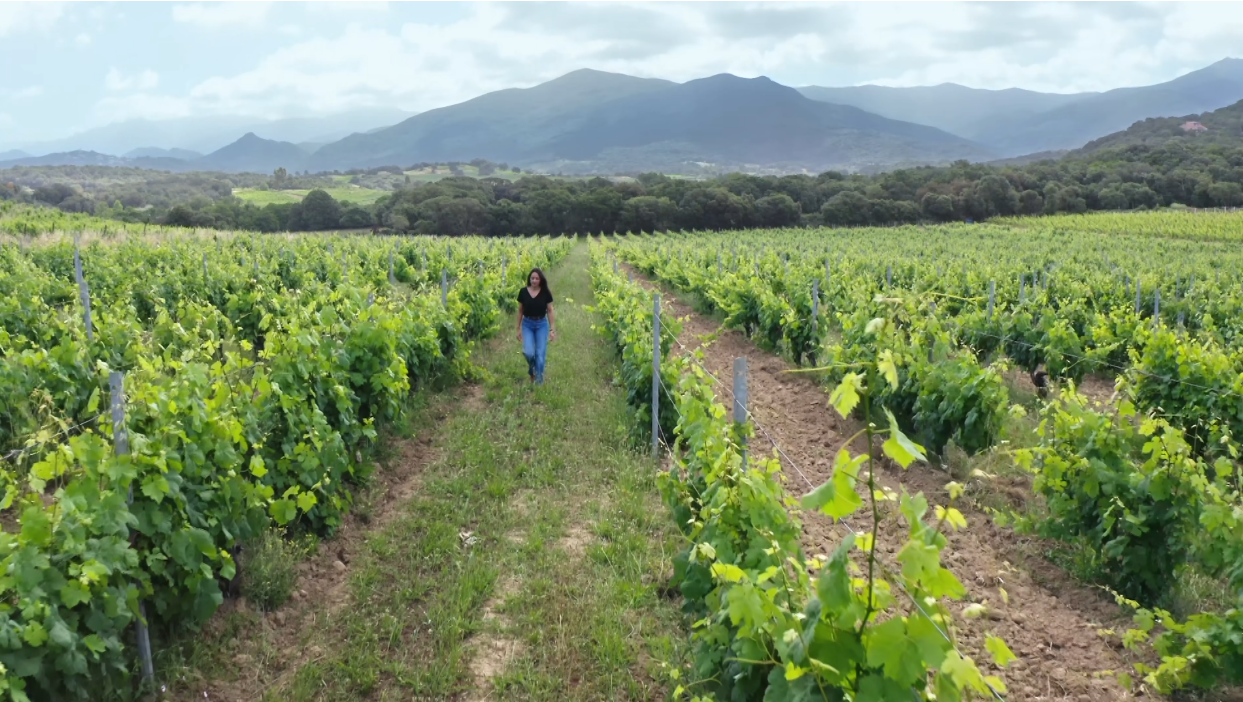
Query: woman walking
{"type": "Point", "coordinates": [535, 322]}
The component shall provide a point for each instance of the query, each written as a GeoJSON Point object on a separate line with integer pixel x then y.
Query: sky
{"type": "Point", "coordinates": [79, 65]}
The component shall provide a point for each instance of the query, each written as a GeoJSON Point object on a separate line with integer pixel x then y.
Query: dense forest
{"type": "Point", "coordinates": [1153, 164]}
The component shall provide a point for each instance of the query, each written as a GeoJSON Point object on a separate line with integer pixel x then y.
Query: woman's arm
{"type": "Point", "coordinates": [552, 332]}
{"type": "Point", "coordinates": [519, 321]}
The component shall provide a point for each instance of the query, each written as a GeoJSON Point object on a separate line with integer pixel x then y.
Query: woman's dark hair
{"type": "Point", "coordinates": [543, 280]}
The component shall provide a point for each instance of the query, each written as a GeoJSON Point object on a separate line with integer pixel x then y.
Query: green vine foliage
{"type": "Point", "coordinates": [1131, 487]}
{"type": "Point", "coordinates": [772, 624]}
{"type": "Point", "coordinates": [626, 311]}
{"type": "Point", "coordinates": [250, 403]}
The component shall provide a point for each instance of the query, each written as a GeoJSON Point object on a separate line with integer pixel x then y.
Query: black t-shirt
{"type": "Point", "coordinates": [534, 307]}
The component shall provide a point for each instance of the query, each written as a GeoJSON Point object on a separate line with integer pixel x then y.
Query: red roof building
{"type": "Point", "coordinates": [1194, 127]}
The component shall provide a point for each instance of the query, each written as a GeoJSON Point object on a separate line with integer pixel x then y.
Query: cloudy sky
{"type": "Point", "coordinates": [78, 65]}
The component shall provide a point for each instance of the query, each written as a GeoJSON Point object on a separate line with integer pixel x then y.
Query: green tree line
{"type": "Point", "coordinates": [1126, 177]}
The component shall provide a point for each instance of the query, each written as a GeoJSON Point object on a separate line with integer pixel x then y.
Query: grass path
{"type": "Point", "coordinates": [528, 562]}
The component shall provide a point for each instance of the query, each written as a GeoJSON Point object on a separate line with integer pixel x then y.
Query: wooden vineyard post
{"type": "Point", "coordinates": [992, 290]}
{"type": "Point", "coordinates": [204, 266]}
{"type": "Point", "coordinates": [815, 303]}
{"type": "Point", "coordinates": [630, 277]}
{"type": "Point", "coordinates": [1022, 288]}
{"type": "Point", "coordinates": [370, 299]}
{"type": "Point", "coordinates": [828, 273]}
{"type": "Point", "coordinates": [656, 378]}
{"type": "Point", "coordinates": [1156, 310]}
{"type": "Point", "coordinates": [391, 278]}
{"type": "Point", "coordinates": [120, 444]}
{"type": "Point", "coordinates": [503, 268]}
{"type": "Point", "coordinates": [84, 292]}
{"type": "Point", "coordinates": [740, 400]}
{"type": "Point", "coordinates": [888, 276]}
{"type": "Point", "coordinates": [444, 287]}
{"type": "Point", "coordinates": [1137, 296]}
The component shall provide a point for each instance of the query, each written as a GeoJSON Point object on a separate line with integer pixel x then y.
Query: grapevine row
{"type": "Point", "coordinates": [771, 623]}
{"type": "Point", "coordinates": [256, 383]}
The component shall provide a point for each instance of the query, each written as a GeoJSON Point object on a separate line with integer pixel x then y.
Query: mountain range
{"type": "Point", "coordinates": [595, 122]}
{"type": "Point", "coordinates": [1016, 122]}
{"type": "Point", "coordinates": [206, 134]}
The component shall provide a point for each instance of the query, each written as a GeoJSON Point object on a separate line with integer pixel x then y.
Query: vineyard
{"type": "Point", "coordinates": [254, 373]}
{"type": "Point", "coordinates": [925, 325]}
{"type": "Point", "coordinates": [845, 533]}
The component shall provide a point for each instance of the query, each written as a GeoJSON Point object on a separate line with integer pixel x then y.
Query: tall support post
{"type": "Point", "coordinates": [656, 377]}
{"type": "Point", "coordinates": [391, 278]}
{"type": "Point", "coordinates": [815, 303]}
{"type": "Point", "coordinates": [828, 272]}
{"type": "Point", "coordinates": [740, 399]}
{"type": "Point", "coordinates": [503, 268]}
{"type": "Point", "coordinates": [120, 445]}
{"type": "Point", "coordinates": [888, 276]}
{"type": "Point", "coordinates": [444, 288]}
{"type": "Point", "coordinates": [992, 291]}
{"type": "Point", "coordinates": [1156, 309]}
{"type": "Point", "coordinates": [204, 265]}
{"type": "Point", "coordinates": [1022, 288]}
{"type": "Point", "coordinates": [1137, 295]}
{"type": "Point", "coordinates": [84, 292]}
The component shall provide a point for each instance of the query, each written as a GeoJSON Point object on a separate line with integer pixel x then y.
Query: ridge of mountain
{"type": "Point", "coordinates": [1221, 127]}
{"type": "Point", "coordinates": [1016, 122]}
{"type": "Point", "coordinates": [206, 134]}
{"type": "Point", "coordinates": [597, 121]}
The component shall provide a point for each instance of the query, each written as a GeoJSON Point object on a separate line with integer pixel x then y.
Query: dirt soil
{"type": "Point", "coordinates": [1050, 620]}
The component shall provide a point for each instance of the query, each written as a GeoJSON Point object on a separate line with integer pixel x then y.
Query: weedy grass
{"type": "Point", "coordinates": [530, 564]}
{"type": "Point", "coordinates": [269, 568]}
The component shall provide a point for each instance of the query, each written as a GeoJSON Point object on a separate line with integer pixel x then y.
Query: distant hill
{"type": "Point", "coordinates": [152, 152]}
{"type": "Point", "coordinates": [13, 155]}
{"type": "Point", "coordinates": [498, 126]}
{"type": "Point", "coordinates": [93, 158]}
{"type": "Point", "coordinates": [1017, 122]}
{"type": "Point", "coordinates": [1075, 125]}
{"type": "Point", "coordinates": [596, 121]}
{"type": "Point", "coordinates": [250, 154]}
{"type": "Point", "coordinates": [954, 108]}
{"type": "Point", "coordinates": [1222, 127]}
{"type": "Point", "coordinates": [207, 134]}
{"type": "Point", "coordinates": [254, 154]}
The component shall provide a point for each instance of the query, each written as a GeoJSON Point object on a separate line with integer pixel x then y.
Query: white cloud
{"type": "Point", "coordinates": [332, 7]}
{"type": "Point", "coordinates": [222, 14]}
{"type": "Point", "coordinates": [82, 39]}
{"type": "Point", "coordinates": [23, 16]}
{"type": "Point", "coordinates": [147, 80]}
{"type": "Point", "coordinates": [29, 92]}
{"type": "Point", "coordinates": [419, 65]}
{"type": "Point", "coordinates": [5, 119]}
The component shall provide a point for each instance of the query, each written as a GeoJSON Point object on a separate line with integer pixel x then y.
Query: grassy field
{"type": "Point", "coordinates": [345, 193]}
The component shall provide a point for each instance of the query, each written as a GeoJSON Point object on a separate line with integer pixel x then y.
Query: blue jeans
{"type": "Point", "coordinates": [535, 346]}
